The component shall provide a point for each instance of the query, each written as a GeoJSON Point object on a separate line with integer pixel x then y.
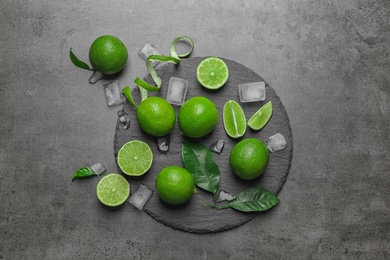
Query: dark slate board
{"type": "Point", "coordinates": [194, 216]}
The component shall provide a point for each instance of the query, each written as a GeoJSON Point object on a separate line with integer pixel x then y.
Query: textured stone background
{"type": "Point", "coordinates": [328, 61]}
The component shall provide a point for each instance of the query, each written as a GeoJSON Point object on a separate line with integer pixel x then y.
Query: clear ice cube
{"type": "Point", "coordinates": [177, 91]}
{"type": "Point", "coordinates": [98, 168]}
{"type": "Point", "coordinates": [163, 143]}
{"type": "Point", "coordinates": [124, 119]}
{"type": "Point", "coordinates": [217, 147]}
{"type": "Point", "coordinates": [224, 196]}
{"type": "Point", "coordinates": [141, 196]}
{"type": "Point", "coordinates": [96, 76]}
{"type": "Point", "coordinates": [251, 92]}
{"type": "Point", "coordinates": [147, 50]}
{"type": "Point", "coordinates": [113, 94]}
{"type": "Point", "coordinates": [276, 142]}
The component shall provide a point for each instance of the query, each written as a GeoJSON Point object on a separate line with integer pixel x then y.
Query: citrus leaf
{"type": "Point", "coordinates": [83, 172]}
{"type": "Point", "coordinates": [77, 62]}
{"type": "Point", "coordinates": [254, 199]}
{"type": "Point", "coordinates": [199, 161]}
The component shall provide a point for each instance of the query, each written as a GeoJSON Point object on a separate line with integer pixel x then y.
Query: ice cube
{"type": "Point", "coordinates": [124, 119]}
{"type": "Point", "coordinates": [96, 76]}
{"type": "Point", "coordinates": [147, 50]}
{"type": "Point", "coordinates": [224, 196]}
{"type": "Point", "coordinates": [251, 92]}
{"type": "Point", "coordinates": [217, 147]}
{"type": "Point", "coordinates": [163, 143]}
{"type": "Point", "coordinates": [113, 94]}
{"type": "Point", "coordinates": [276, 142]}
{"type": "Point", "coordinates": [98, 168]}
{"type": "Point", "coordinates": [177, 91]}
{"type": "Point", "coordinates": [141, 196]}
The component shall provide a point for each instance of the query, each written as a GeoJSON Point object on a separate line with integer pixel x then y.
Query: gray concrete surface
{"type": "Point", "coordinates": [328, 61]}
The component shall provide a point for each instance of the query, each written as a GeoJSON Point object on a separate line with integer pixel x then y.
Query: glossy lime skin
{"type": "Point", "coordinates": [156, 116]}
{"type": "Point", "coordinates": [175, 185]}
{"type": "Point", "coordinates": [108, 54]}
{"type": "Point", "coordinates": [249, 158]}
{"type": "Point", "coordinates": [197, 117]}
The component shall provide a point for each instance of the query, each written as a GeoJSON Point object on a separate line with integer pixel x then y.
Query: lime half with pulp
{"type": "Point", "coordinates": [135, 158]}
{"type": "Point", "coordinates": [113, 190]}
{"type": "Point", "coordinates": [261, 117]}
{"type": "Point", "coordinates": [234, 119]}
{"type": "Point", "coordinates": [212, 73]}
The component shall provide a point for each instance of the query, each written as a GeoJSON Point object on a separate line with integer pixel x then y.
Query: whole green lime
{"type": "Point", "coordinates": [249, 158]}
{"type": "Point", "coordinates": [108, 54]}
{"type": "Point", "coordinates": [156, 116]}
{"type": "Point", "coordinates": [197, 117]}
{"type": "Point", "coordinates": [175, 185]}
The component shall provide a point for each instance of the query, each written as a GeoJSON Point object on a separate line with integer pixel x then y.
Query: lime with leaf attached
{"type": "Point", "coordinates": [107, 54]}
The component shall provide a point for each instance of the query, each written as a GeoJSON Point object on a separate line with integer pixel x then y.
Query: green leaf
{"type": "Point", "coordinates": [77, 62]}
{"type": "Point", "coordinates": [199, 161]}
{"type": "Point", "coordinates": [83, 172]}
{"type": "Point", "coordinates": [254, 199]}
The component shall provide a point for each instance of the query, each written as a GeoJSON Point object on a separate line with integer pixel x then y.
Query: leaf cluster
{"type": "Point", "coordinates": [199, 161]}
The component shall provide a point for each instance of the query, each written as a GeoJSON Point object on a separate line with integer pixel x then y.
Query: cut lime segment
{"type": "Point", "coordinates": [135, 158]}
{"type": "Point", "coordinates": [261, 117]}
{"type": "Point", "coordinates": [212, 73]}
{"type": "Point", "coordinates": [113, 190]}
{"type": "Point", "coordinates": [234, 119]}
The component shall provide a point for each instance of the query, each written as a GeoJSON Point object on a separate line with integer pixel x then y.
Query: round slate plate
{"type": "Point", "coordinates": [194, 216]}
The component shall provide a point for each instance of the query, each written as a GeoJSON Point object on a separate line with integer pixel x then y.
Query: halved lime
{"type": "Point", "coordinates": [113, 190]}
{"type": "Point", "coordinates": [135, 158]}
{"type": "Point", "coordinates": [212, 73]}
{"type": "Point", "coordinates": [234, 119]}
{"type": "Point", "coordinates": [261, 117]}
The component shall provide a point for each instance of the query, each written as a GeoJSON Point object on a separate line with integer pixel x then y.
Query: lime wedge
{"type": "Point", "coordinates": [234, 119]}
{"type": "Point", "coordinates": [113, 190]}
{"type": "Point", "coordinates": [212, 73]}
{"type": "Point", "coordinates": [261, 117]}
{"type": "Point", "coordinates": [135, 158]}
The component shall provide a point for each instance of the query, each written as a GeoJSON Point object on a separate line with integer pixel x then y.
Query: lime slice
{"type": "Point", "coordinates": [234, 119]}
{"type": "Point", "coordinates": [113, 190]}
{"type": "Point", "coordinates": [261, 117]}
{"type": "Point", "coordinates": [135, 158]}
{"type": "Point", "coordinates": [212, 73]}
